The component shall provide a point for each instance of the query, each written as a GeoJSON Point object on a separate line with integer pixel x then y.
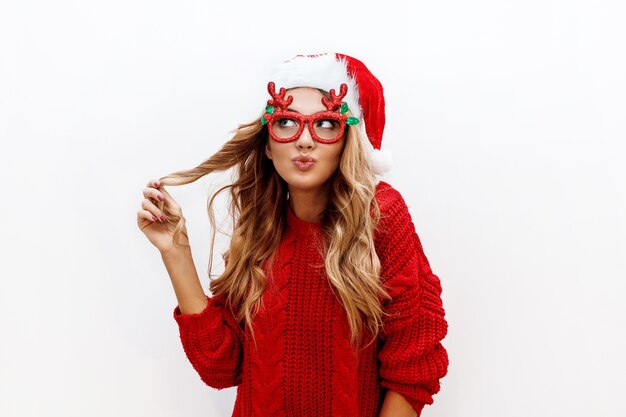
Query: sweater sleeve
{"type": "Point", "coordinates": [213, 343]}
{"type": "Point", "coordinates": [412, 358]}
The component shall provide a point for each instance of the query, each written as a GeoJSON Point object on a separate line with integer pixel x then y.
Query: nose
{"type": "Point", "coordinates": [305, 140]}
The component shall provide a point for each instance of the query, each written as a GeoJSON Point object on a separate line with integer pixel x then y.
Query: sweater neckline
{"type": "Point", "coordinates": [299, 225]}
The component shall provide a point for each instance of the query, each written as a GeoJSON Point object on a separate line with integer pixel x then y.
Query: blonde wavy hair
{"type": "Point", "coordinates": [258, 204]}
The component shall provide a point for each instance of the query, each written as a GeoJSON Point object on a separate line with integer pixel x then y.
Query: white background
{"type": "Point", "coordinates": [507, 125]}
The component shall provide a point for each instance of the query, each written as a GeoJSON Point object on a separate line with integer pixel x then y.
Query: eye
{"type": "Point", "coordinates": [286, 123]}
{"type": "Point", "coordinates": [327, 124]}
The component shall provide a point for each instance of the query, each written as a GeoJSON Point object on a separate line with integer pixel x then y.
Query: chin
{"type": "Point", "coordinates": [311, 180]}
{"type": "Point", "coordinates": [306, 184]}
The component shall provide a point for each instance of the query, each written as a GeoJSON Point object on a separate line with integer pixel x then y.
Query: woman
{"type": "Point", "coordinates": [327, 305]}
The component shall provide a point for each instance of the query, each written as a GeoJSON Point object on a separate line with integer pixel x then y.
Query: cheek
{"type": "Point", "coordinates": [279, 153]}
{"type": "Point", "coordinates": [331, 159]}
{"type": "Point", "coordinates": [335, 155]}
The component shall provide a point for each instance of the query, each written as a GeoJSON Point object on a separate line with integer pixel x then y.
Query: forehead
{"type": "Point", "coordinates": [306, 100]}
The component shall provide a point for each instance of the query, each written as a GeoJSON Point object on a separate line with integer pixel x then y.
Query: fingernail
{"type": "Point", "coordinates": [154, 218]}
{"type": "Point", "coordinates": [163, 218]}
{"type": "Point", "coordinates": [160, 197]}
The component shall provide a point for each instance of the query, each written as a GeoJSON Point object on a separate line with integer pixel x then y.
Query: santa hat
{"type": "Point", "coordinates": [364, 98]}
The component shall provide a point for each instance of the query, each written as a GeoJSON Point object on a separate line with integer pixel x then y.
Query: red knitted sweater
{"type": "Point", "coordinates": [304, 365]}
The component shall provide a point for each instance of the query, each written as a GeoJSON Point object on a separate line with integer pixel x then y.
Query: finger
{"type": "Point", "coordinates": [145, 214]}
{"type": "Point", "coordinates": [149, 206]}
{"type": "Point", "coordinates": [169, 201]}
{"type": "Point", "coordinates": [154, 183]}
{"type": "Point", "coordinates": [153, 194]}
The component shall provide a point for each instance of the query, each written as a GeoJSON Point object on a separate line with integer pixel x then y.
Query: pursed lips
{"type": "Point", "coordinates": [303, 158]}
{"type": "Point", "coordinates": [303, 162]}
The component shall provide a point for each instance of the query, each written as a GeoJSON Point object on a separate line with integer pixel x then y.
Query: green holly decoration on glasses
{"type": "Point", "coordinates": [268, 110]}
{"type": "Point", "coordinates": [350, 120]}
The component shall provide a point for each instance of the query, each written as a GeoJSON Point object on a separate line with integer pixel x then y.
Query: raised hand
{"type": "Point", "coordinates": [153, 220]}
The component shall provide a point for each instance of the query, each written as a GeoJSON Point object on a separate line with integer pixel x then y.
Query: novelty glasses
{"type": "Point", "coordinates": [325, 127]}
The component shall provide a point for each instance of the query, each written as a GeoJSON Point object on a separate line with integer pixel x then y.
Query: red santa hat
{"type": "Point", "coordinates": [364, 98]}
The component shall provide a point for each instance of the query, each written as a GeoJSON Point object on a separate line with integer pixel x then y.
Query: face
{"type": "Point", "coordinates": [323, 158]}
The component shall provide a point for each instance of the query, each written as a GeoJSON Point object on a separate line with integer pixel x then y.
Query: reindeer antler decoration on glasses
{"type": "Point", "coordinates": [325, 127]}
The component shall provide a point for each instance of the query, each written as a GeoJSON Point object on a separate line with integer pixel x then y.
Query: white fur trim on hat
{"type": "Point", "coordinates": [321, 71]}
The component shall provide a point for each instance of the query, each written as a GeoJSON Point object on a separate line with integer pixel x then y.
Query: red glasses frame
{"type": "Point", "coordinates": [308, 120]}
{"type": "Point", "coordinates": [335, 110]}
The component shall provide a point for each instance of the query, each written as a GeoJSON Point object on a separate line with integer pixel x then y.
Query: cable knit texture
{"type": "Point", "coordinates": [303, 365]}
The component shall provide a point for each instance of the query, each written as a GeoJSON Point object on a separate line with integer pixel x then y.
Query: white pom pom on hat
{"type": "Point", "coordinates": [365, 94]}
